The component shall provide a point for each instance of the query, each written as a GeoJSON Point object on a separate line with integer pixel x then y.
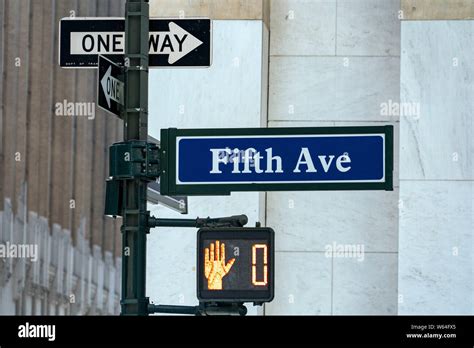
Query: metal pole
{"type": "Point", "coordinates": [231, 221]}
{"type": "Point", "coordinates": [202, 309]}
{"type": "Point", "coordinates": [135, 116]}
{"type": "Point", "coordinates": [170, 309]}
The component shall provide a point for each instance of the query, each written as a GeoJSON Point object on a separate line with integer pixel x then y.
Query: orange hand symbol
{"type": "Point", "coordinates": [215, 267]}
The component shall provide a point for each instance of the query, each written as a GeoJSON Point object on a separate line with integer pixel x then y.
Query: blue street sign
{"type": "Point", "coordinates": [219, 161]}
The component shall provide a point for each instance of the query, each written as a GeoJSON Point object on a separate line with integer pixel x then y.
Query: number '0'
{"type": "Point", "coordinates": [254, 265]}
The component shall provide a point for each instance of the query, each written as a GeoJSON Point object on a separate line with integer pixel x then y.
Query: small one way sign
{"type": "Point", "coordinates": [110, 86]}
{"type": "Point", "coordinates": [172, 42]}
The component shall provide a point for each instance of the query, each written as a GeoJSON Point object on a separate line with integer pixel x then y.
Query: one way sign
{"type": "Point", "coordinates": [172, 42]}
{"type": "Point", "coordinates": [175, 43]}
{"type": "Point", "coordinates": [110, 87]}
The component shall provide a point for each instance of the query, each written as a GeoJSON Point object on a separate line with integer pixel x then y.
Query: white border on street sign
{"type": "Point", "coordinates": [179, 182]}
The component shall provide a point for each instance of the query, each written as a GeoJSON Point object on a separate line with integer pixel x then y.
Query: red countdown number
{"type": "Point", "coordinates": [263, 282]}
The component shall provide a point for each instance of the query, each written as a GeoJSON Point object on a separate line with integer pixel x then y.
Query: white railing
{"type": "Point", "coordinates": [73, 278]}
